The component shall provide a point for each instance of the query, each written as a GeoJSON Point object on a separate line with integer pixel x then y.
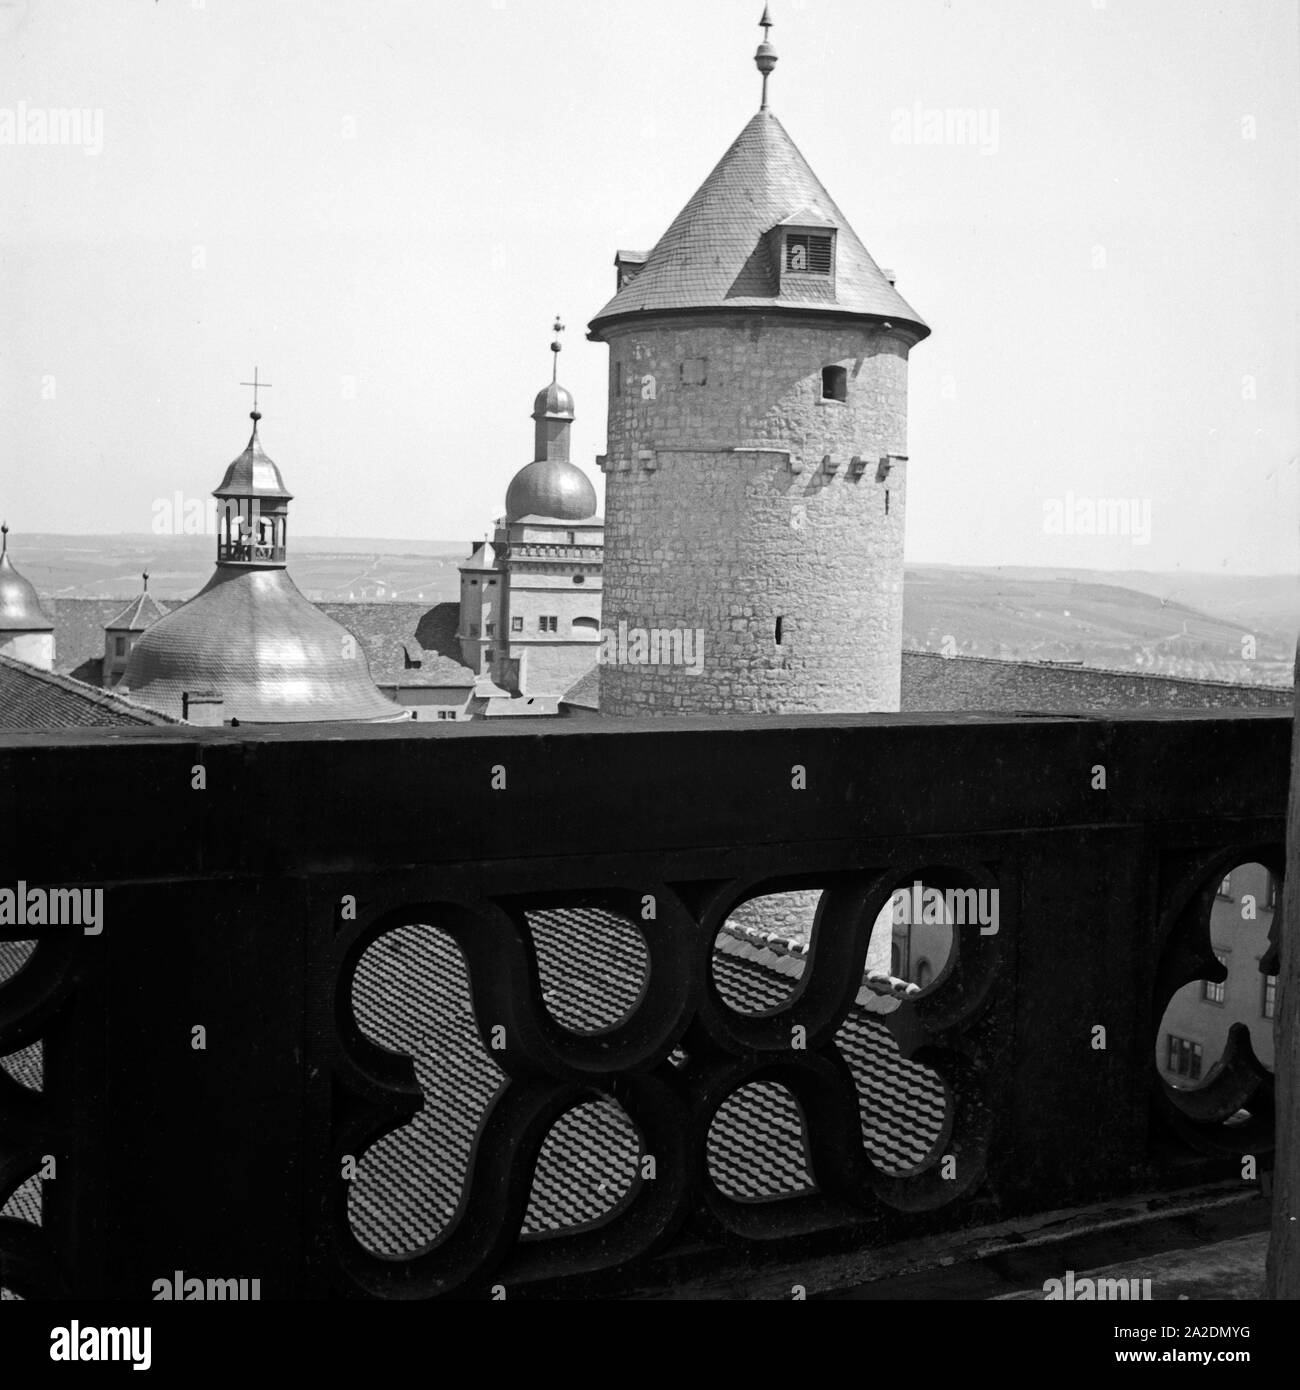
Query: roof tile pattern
{"type": "Point", "coordinates": [411, 994]}
{"type": "Point", "coordinates": [26, 1066]}
{"type": "Point", "coordinates": [34, 699]}
{"type": "Point", "coordinates": [716, 255]}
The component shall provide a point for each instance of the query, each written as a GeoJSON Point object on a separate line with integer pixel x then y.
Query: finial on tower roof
{"type": "Point", "coordinates": [145, 577]}
{"type": "Point", "coordinates": [558, 328]}
{"type": "Point", "coordinates": [4, 536]}
{"type": "Point", "coordinates": [765, 58]}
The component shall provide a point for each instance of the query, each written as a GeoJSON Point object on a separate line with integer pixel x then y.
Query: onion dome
{"type": "Point", "coordinates": [253, 474]}
{"type": "Point", "coordinates": [553, 403]}
{"type": "Point", "coordinates": [551, 488]}
{"type": "Point", "coordinates": [274, 657]}
{"type": "Point", "coordinates": [20, 605]}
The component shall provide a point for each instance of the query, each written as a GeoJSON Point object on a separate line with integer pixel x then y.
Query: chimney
{"type": "Point", "coordinates": [202, 707]}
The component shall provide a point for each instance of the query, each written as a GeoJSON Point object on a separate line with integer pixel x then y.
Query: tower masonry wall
{"type": "Point", "coordinates": [722, 537]}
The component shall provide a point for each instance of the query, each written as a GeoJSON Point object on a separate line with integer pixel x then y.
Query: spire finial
{"type": "Point", "coordinates": [765, 58]}
{"type": "Point", "coordinates": [145, 577]}
{"type": "Point", "coordinates": [255, 415]}
{"type": "Point", "coordinates": [4, 536]}
{"type": "Point", "coordinates": [557, 328]}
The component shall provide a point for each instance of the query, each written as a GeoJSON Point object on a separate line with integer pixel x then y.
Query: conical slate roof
{"type": "Point", "coordinates": [716, 253]}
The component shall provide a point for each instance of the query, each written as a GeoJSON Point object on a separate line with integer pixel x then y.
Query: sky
{"type": "Point", "coordinates": [383, 205]}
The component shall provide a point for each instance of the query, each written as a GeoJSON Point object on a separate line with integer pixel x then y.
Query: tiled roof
{"type": "Point", "coordinates": [411, 994]}
{"type": "Point", "coordinates": [34, 699]}
{"type": "Point", "coordinates": [390, 632]}
{"type": "Point", "coordinates": [143, 611]}
{"type": "Point", "coordinates": [585, 691]}
{"type": "Point", "coordinates": [79, 625]}
{"type": "Point", "coordinates": [715, 255]}
{"type": "Point", "coordinates": [27, 1067]}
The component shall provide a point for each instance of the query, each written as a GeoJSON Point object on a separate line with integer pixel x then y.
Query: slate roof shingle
{"type": "Point", "coordinates": [715, 255]}
{"type": "Point", "coordinates": [33, 699]}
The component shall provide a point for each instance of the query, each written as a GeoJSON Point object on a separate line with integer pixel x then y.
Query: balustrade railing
{"type": "Point", "coordinates": [406, 1013]}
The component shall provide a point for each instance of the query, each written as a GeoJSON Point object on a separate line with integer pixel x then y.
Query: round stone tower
{"type": "Point", "coordinates": [756, 463]}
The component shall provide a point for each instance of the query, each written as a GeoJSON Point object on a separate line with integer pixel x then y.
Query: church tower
{"type": "Point", "coordinates": [756, 463]}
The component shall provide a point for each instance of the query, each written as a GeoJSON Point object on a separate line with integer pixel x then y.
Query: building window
{"type": "Point", "coordinates": [548, 624]}
{"type": "Point", "coordinates": [695, 371]}
{"type": "Point", "coordinates": [119, 646]}
{"type": "Point", "coordinates": [923, 973]}
{"type": "Point", "coordinates": [473, 629]}
{"type": "Point", "coordinates": [579, 578]}
{"type": "Point", "coordinates": [474, 582]}
{"type": "Point", "coordinates": [806, 254]}
{"type": "Point", "coordinates": [835, 384]}
{"type": "Point", "coordinates": [1212, 993]}
{"type": "Point", "coordinates": [615, 378]}
{"type": "Point", "coordinates": [1270, 891]}
{"type": "Point", "coordinates": [489, 629]}
{"type": "Point", "coordinates": [780, 630]}
{"type": "Point", "coordinates": [1225, 888]}
{"type": "Point", "coordinates": [491, 583]}
{"type": "Point", "coordinates": [1183, 1058]}
{"type": "Point", "coordinates": [1269, 1001]}
{"type": "Point", "coordinates": [516, 624]}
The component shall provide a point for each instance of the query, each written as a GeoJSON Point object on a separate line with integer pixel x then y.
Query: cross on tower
{"type": "Point", "coordinates": [256, 385]}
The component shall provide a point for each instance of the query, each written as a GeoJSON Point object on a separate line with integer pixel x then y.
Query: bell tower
{"type": "Point", "coordinates": [756, 462]}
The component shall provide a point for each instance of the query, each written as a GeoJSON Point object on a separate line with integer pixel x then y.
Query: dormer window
{"type": "Point", "coordinates": [803, 256]}
{"type": "Point", "coordinates": [807, 253]}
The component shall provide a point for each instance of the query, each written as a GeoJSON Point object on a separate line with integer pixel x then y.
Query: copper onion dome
{"type": "Point", "coordinates": [552, 488]}
{"type": "Point", "coordinates": [20, 605]}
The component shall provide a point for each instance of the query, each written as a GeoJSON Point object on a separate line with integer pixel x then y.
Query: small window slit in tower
{"type": "Point", "coordinates": [886, 501]}
{"type": "Point", "coordinates": [780, 629]}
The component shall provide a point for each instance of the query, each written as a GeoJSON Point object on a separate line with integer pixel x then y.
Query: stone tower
{"type": "Point", "coordinates": [756, 463]}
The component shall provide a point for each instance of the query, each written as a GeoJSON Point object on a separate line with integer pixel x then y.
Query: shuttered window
{"type": "Point", "coordinates": [806, 254]}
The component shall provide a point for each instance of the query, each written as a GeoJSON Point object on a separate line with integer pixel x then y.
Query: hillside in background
{"type": "Point", "coordinates": [1182, 624]}
{"type": "Point", "coordinates": [1133, 622]}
